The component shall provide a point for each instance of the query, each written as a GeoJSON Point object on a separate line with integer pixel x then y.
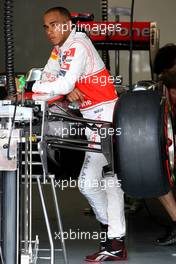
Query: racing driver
{"type": "Point", "coordinates": [75, 63]}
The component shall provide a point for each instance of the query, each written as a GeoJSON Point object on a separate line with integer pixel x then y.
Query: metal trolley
{"type": "Point", "coordinates": [16, 151]}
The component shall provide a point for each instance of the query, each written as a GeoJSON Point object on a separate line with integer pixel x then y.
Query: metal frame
{"type": "Point", "coordinates": [105, 146]}
{"type": "Point", "coordinates": [29, 253]}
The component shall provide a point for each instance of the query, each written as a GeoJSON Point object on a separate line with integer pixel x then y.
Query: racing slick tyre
{"type": "Point", "coordinates": [144, 152]}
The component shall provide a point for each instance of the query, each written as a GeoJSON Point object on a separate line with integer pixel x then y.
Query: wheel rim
{"type": "Point", "coordinates": [169, 146]}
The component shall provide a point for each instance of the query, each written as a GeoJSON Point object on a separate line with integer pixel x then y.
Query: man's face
{"type": "Point", "coordinates": [57, 27]}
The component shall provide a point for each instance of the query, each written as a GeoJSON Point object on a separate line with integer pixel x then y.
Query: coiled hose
{"type": "Point", "coordinates": [9, 46]}
{"type": "Point", "coordinates": [104, 11]}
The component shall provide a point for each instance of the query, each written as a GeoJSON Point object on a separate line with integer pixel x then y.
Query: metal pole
{"type": "Point", "coordinates": [59, 222]}
{"type": "Point", "coordinates": [10, 217]}
{"type": "Point", "coordinates": [30, 189]}
{"type": "Point", "coordinates": [46, 219]}
{"type": "Point", "coordinates": [26, 197]}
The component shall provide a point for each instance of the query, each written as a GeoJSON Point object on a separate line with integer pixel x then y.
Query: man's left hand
{"type": "Point", "coordinates": [75, 95]}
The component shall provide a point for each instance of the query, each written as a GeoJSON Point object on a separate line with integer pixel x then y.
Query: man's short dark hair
{"type": "Point", "coordinates": [62, 10]}
{"type": "Point", "coordinates": [165, 58]}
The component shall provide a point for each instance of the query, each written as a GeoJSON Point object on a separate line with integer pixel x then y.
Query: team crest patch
{"type": "Point", "coordinates": [70, 52]}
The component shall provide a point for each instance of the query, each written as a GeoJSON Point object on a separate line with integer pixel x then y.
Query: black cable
{"type": "Point", "coordinates": [104, 7]}
{"type": "Point", "coordinates": [131, 47]}
{"type": "Point", "coordinates": [9, 46]}
{"type": "Point", "coordinates": [105, 53]}
{"type": "Point", "coordinates": [9, 60]}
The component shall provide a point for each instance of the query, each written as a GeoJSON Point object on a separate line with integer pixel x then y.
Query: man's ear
{"type": "Point", "coordinates": [169, 77]}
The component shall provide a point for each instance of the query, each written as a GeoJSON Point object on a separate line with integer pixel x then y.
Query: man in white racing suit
{"type": "Point", "coordinates": [75, 64]}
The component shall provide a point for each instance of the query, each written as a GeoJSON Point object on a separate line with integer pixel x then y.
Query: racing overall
{"type": "Point", "coordinates": [77, 64]}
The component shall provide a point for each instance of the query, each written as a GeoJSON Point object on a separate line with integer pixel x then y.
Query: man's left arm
{"type": "Point", "coordinates": [71, 70]}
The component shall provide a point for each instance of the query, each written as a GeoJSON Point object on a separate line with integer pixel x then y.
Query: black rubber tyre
{"type": "Point", "coordinates": [141, 151]}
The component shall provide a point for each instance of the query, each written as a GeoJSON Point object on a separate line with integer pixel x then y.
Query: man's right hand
{"type": "Point", "coordinates": [75, 95]}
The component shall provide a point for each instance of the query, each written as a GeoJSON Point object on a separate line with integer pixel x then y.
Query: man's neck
{"type": "Point", "coordinates": [67, 36]}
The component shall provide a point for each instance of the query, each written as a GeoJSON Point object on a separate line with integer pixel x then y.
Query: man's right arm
{"type": "Point", "coordinates": [69, 73]}
{"type": "Point", "coordinates": [52, 68]}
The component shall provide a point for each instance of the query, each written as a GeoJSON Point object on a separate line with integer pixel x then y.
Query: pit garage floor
{"type": "Point", "coordinates": [141, 230]}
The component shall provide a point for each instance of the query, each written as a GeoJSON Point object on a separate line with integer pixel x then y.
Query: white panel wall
{"type": "Point", "coordinates": [32, 48]}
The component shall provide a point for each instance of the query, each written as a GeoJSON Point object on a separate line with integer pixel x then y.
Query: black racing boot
{"type": "Point", "coordinates": [169, 238]}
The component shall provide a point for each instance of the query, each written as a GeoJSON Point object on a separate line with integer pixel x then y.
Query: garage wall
{"type": "Point", "coordinates": [161, 11]}
{"type": "Point", "coordinates": [31, 46]}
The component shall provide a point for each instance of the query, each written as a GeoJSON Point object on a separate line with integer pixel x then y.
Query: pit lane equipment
{"type": "Point", "coordinates": [17, 170]}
